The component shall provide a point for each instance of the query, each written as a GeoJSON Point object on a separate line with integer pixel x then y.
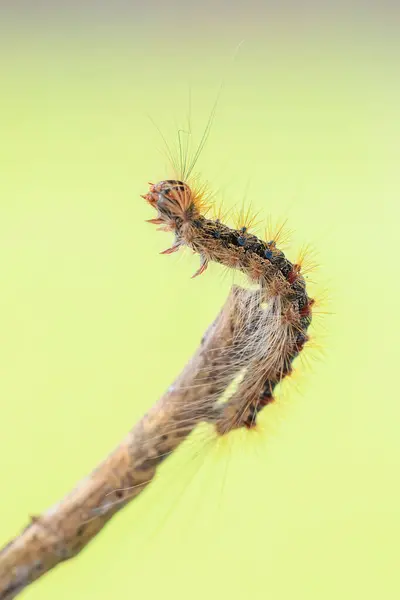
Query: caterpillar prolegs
{"type": "Point", "coordinates": [272, 321]}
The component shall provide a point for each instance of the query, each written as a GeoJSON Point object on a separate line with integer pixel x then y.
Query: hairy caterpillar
{"type": "Point", "coordinates": [272, 323]}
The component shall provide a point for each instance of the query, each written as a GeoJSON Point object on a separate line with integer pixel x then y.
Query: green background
{"type": "Point", "coordinates": [95, 324]}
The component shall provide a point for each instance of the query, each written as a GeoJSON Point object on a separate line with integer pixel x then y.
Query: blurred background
{"type": "Point", "coordinates": [95, 324]}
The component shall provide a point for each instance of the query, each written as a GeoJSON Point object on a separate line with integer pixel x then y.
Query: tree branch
{"type": "Point", "coordinates": [65, 529]}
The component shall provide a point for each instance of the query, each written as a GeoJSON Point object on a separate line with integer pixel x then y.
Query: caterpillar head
{"type": "Point", "coordinates": [173, 200]}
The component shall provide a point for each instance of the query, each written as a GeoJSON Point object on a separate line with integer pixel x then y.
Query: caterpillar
{"type": "Point", "coordinates": [272, 325]}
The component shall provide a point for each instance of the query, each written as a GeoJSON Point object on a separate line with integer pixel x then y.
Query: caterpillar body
{"type": "Point", "coordinates": [273, 328]}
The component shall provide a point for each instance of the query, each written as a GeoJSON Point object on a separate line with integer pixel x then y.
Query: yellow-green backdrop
{"type": "Point", "coordinates": [95, 324]}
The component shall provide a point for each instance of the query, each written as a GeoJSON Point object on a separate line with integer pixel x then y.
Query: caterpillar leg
{"type": "Point", "coordinates": [202, 268]}
{"type": "Point", "coordinates": [173, 248]}
{"type": "Point", "coordinates": [155, 221]}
